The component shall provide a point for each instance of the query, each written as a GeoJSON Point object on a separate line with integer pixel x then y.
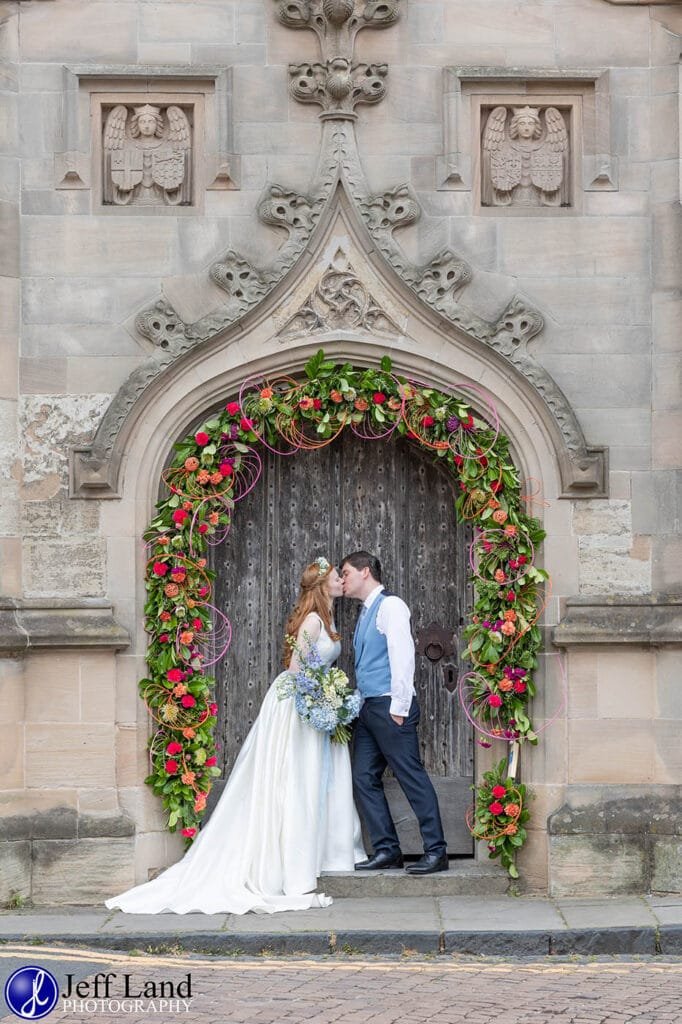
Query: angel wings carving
{"type": "Point", "coordinates": [147, 156]}
{"type": "Point", "coordinates": [525, 158]}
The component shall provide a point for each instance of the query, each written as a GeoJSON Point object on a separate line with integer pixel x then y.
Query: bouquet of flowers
{"type": "Point", "coordinates": [323, 697]}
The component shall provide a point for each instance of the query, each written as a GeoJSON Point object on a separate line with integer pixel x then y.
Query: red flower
{"type": "Point", "coordinates": [510, 596]}
{"type": "Point", "coordinates": [427, 421]}
{"type": "Point", "coordinates": [203, 527]}
{"type": "Point", "coordinates": [174, 747]}
{"type": "Point", "coordinates": [213, 708]}
{"type": "Point", "coordinates": [232, 408]}
{"type": "Point", "coordinates": [171, 767]}
{"type": "Point", "coordinates": [495, 807]}
{"type": "Point", "coordinates": [496, 486]}
{"type": "Point", "coordinates": [179, 516]}
{"type": "Point", "coordinates": [210, 762]}
{"type": "Point", "coordinates": [482, 461]}
{"type": "Point", "coordinates": [189, 833]}
{"type": "Point", "coordinates": [226, 469]}
{"type": "Point", "coordinates": [519, 687]}
{"type": "Point", "coordinates": [495, 700]}
{"type": "Point", "coordinates": [317, 403]}
{"type": "Point", "coordinates": [522, 559]}
{"type": "Point", "coordinates": [188, 701]}
{"type": "Point", "coordinates": [164, 638]}
{"type": "Point", "coordinates": [468, 422]}
{"type": "Point", "coordinates": [165, 616]}
{"type": "Point", "coordinates": [378, 398]}
{"type": "Point", "coordinates": [197, 623]}
{"type": "Point", "coordinates": [203, 591]}
{"type": "Point", "coordinates": [160, 568]}
{"type": "Point", "coordinates": [245, 424]}
{"type": "Point", "coordinates": [175, 675]}
{"type": "Point", "coordinates": [202, 438]}
{"type": "Point", "coordinates": [499, 791]}
{"type": "Point", "coordinates": [459, 461]}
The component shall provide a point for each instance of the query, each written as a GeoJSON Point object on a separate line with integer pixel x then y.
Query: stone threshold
{"type": "Point", "coordinates": [465, 878]}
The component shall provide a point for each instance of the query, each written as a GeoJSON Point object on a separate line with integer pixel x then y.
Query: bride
{"type": "Point", "coordinates": [286, 812]}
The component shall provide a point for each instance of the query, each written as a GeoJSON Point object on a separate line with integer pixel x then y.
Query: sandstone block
{"type": "Point", "coordinates": [597, 865]}
{"type": "Point", "coordinates": [59, 518]}
{"type": "Point", "coordinates": [264, 138]}
{"type": "Point", "coordinates": [78, 752]}
{"type": "Point", "coordinates": [42, 376]}
{"type": "Point", "coordinates": [591, 301]}
{"type": "Point", "coordinates": [668, 752]}
{"type": "Point", "coordinates": [65, 568]}
{"type": "Point", "coordinates": [667, 245]}
{"type": "Point", "coordinates": [666, 430]}
{"type": "Point", "coordinates": [626, 684]}
{"type": "Point", "coordinates": [10, 566]}
{"type": "Point", "coordinates": [97, 687]}
{"type": "Point", "coordinates": [596, 751]}
{"type": "Point", "coordinates": [602, 517]}
{"type": "Point", "coordinates": [575, 247]}
{"type": "Point", "coordinates": [12, 758]}
{"type": "Point", "coordinates": [192, 23]}
{"type": "Point", "coordinates": [624, 562]}
{"type": "Point", "coordinates": [602, 381]}
{"type": "Point", "coordinates": [667, 864]}
{"type": "Point", "coordinates": [589, 35]}
{"type": "Point", "coordinates": [81, 301]}
{"type": "Point", "coordinates": [78, 340]}
{"type": "Point", "coordinates": [582, 686]}
{"type": "Point", "coordinates": [667, 562]}
{"type": "Point", "coordinates": [77, 29]}
{"type": "Point", "coordinates": [52, 687]}
{"type": "Point", "coordinates": [85, 375]}
{"type": "Point", "coordinates": [9, 231]}
{"type": "Point", "coordinates": [104, 245]}
{"type": "Point", "coordinates": [667, 316]}
{"type": "Point", "coordinates": [655, 500]}
{"type": "Point", "coordinates": [260, 94]}
{"type": "Point", "coordinates": [252, 23]}
{"type": "Point", "coordinates": [81, 871]}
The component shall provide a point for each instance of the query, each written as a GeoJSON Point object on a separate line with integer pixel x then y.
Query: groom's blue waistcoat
{"type": "Point", "coordinates": [372, 667]}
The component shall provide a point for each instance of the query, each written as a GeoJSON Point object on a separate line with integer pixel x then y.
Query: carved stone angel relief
{"type": "Point", "coordinates": [525, 158]}
{"type": "Point", "coordinates": [147, 156]}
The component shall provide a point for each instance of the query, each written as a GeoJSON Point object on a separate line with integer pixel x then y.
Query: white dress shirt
{"type": "Point", "coordinates": [393, 621]}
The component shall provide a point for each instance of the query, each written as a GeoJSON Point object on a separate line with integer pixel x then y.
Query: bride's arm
{"type": "Point", "coordinates": [308, 634]}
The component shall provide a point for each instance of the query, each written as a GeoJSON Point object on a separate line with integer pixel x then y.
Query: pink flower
{"type": "Point", "coordinates": [213, 709]}
{"type": "Point", "coordinates": [245, 423]}
{"type": "Point", "coordinates": [494, 700]}
{"type": "Point", "coordinates": [188, 833]}
{"type": "Point", "coordinates": [378, 398]}
{"type": "Point", "coordinates": [203, 527]}
{"type": "Point", "coordinates": [160, 568]}
{"type": "Point", "coordinates": [495, 807]}
{"type": "Point", "coordinates": [171, 767]}
{"type": "Point", "coordinates": [519, 687]}
{"type": "Point", "coordinates": [201, 438]}
{"type": "Point", "coordinates": [226, 469]}
{"type": "Point", "coordinates": [232, 408]}
{"type": "Point", "coordinates": [174, 747]}
{"type": "Point", "coordinates": [427, 421]}
{"type": "Point", "coordinates": [210, 762]}
{"type": "Point", "coordinates": [179, 516]}
{"type": "Point", "coordinates": [188, 701]}
{"type": "Point", "coordinates": [499, 791]}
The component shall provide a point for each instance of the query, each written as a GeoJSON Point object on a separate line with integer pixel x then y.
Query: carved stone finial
{"type": "Point", "coordinates": [395, 208]}
{"type": "Point", "coordinates": [337, 86]}
{"type": "Point", "coordinates": [337, 22]}
{"type": "Point", "coordinates": [160, 324]}
{"type": "Point", "coordinates": [439, 280]}
{"type": "Point", "coordinates": [517, 325]}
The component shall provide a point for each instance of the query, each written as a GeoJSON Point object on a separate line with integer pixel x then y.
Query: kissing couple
{"type": "Point", "coordinates": [287, 812]}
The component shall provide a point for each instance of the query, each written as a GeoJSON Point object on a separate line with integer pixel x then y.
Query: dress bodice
{"type": "Point", "coordinates": [328, 649]}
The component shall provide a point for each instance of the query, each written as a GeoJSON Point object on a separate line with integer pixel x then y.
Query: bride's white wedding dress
{"type": "Point", "coordinates": [285, 815]}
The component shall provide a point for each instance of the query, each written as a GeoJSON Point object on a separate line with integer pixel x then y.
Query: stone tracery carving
{"type": "Point", "coordinates": [287, 209]}
{"type": "Point", "coordinates": [337, 22]}
{"type": "Point", "coordinates": [160, 324]}
{"type": "Point", "coordinates": [525, 157]}
{"type": "Point", "coordinates": [340, 301]}
{"type": "Point", "coordinates": [147, 156]}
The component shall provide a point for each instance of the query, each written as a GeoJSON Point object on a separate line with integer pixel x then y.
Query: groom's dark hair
{"type": "Point", "coordinates": [364, 560]}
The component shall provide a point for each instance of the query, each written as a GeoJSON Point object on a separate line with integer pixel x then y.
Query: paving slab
{"type": "Point", "coordinates": [511, 914]}
{"type": "Point", "coordinates": [666, 909]}
{"type": "Point", "coordinates": [607, 913]}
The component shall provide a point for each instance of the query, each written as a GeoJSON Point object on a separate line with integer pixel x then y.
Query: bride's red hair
{"type": "Point", "coordinates": [313, 596]}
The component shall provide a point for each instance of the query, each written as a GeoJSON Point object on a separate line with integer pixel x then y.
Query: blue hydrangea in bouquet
{"type": "Point", "coordinates": [323, 697]}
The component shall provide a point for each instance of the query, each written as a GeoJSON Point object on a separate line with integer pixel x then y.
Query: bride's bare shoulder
{"type": "Point", "coordinates": [312, 625]}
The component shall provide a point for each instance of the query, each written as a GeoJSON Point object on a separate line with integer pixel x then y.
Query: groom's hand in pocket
{"type": "Point", "coordinates": [398, 719]}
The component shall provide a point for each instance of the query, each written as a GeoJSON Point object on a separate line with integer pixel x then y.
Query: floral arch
{"type": "Point", "coordinates": [218, 464]}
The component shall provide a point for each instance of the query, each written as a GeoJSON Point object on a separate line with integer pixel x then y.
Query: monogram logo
{"type": "Point", "coordinates": [31, 992]}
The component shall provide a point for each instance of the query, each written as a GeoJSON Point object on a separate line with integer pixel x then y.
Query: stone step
{"type": "Point", "coordinates": [464, 878]}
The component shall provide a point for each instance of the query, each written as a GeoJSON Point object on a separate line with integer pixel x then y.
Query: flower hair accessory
{"type": "Point", "coordinates": [323, 566]}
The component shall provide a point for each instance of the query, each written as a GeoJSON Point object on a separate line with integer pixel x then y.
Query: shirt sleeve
{"type": "Point", "coordinates": [393, 620]}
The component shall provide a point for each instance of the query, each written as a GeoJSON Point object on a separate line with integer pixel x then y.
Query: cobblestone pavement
{"type": "Point", "coordinates": [345, 989]}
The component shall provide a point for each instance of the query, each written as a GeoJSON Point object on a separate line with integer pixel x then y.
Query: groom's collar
{"type": "Point", "coordinates": [372, 596]}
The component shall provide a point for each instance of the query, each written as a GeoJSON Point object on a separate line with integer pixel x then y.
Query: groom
{"type": "Point", "coordinates": [386, 730]}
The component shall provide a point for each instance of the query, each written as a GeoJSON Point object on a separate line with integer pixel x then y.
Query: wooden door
{"type": "Point", "coordinates": [390, 498]}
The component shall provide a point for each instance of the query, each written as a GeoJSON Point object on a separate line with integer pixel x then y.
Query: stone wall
{"type": "Point", "coordinates": [77, 269]}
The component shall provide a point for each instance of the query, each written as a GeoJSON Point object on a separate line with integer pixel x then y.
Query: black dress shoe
{"type": "Point", "coordinates": [379, 861]}
{"type": "Point", "coordinates": [429, 863]}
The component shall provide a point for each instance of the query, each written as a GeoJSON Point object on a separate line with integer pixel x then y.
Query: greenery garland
{"type": "Point", "coordinates": [219, 464]}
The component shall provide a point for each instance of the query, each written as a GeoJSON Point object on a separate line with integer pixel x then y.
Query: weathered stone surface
{"type": "Point", "coordinates": [667, 865]}
{"type": "Point", "coordinates": [606, 619]}
{"type": "Point", "coordinates": [58, 623]}
{"type": "Point", "coordinates": [624, 561]}
{"type": "Point", "coordinates": [49, 424]}
{"type": "Point", "coordinates": [81, 871]}
{"type": "Point", "coordinates": [588, 865]}
{"type": "Point", "coordinates": [15, 871]}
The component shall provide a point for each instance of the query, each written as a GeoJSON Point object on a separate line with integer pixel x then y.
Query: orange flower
{"type": "Point", "coordinates": [493, 503]}
{"type": "Point", "coordinates": [216, 478]}
{"type": "Point", "coordinates": [361, 404]}
{"type": "Point", "coordinates": [496, 731]}
{"type": "Point", "coordinates": [394, 404]}
{"type": "Point", "coordinates": [201, 562]}
{"type": "Point", "coordinates": [191, 464]}
{"type": "Point", "coordinates": [508, 628]}
{"type": "Point", "coordinates": [500, 516]}
{"type": "Point", "coordinates": [190, 603]}
{"type": "Point", "coordinates": [163, 539]}
{"type": "Point", "coordinates": [336, 396]}
{"type": "Point", "coordinates": [500, 576]}
{"type": "Point", "coordinates": [510, 530]}
{"type": "Point", "coordinates": [510, 615]}
{"type": "Point", "coordinates": [513, 810]}
{"type": "Point", "coordinates": [305, 403]}
{"type": "Point", "coordinates": [214, 519]}
{"type": "Point", "coordinates": [203, 476]}
{"type": "Point", "coordinates": [187, 505]}
{"type": "Point", "coordinates": [267, 393]}
{"type": "Point", "coordinates": [187, 637]}
{"type": "Point", "coordinates": [187, 778]}
{"type": "Point", "coordinates": [180, 690]}
{"type": "Point", "coordinates": [505, 685]}
{"type": "Point", "coordinates": [200, 803]}
{"type": "Point", "coordinates": [188, 733]}
{"type": "Point", "coordinates": [171, 590]}
{"type": "Point", "coordinates": [510, 829]}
